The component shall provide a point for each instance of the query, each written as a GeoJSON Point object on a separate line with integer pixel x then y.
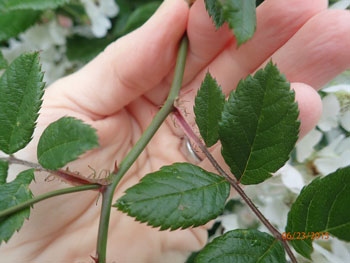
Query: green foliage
{"type": "Point", "coordinates": [137, 18]}
{"type": "Point", "coordinates": [239, 14]}
{"type": "Point", "coordinates": [21, 90]}
{"type": "Point", "coordinates": [12, 194]}
{"type": "Point", "coordinates": [209, 104]}
{"type": "Point", "coordinates": [321, 207]}
{"type": "Point", "coordinates": [180, 195]}
{"type": "Point", "coordinates": [4, 166]}
{"type": "Point", "coordinates": [85, 49]}
{"type": "Point", "coordinates": [243, 246]}
{"type": "Point", "coordinates": [7, 5]}
{"type": "Point", "coordinates": [63, 141]}
{"type": "Point", "coordinates": [132, 15]}
{"type": "Point", "coordinates": [3, 62]}
{"type": "Point", "coordinates": [259, 126]}
{"type": "Point", "coordinates": [14, 22]}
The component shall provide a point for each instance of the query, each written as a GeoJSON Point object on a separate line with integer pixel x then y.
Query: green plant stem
{"type": "Point", "coordinates": [48, 195]}
{"type": "Point", "coordinates": [138, 148]}
{"type": "Point", "coordinates": [233, 182]}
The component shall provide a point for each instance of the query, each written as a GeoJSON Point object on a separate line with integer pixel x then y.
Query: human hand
{"type": "Point", "coordinates": [119, 92]}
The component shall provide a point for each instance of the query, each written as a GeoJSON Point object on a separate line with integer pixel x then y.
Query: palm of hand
{"type": "Point", "coordinates": [120, 91]}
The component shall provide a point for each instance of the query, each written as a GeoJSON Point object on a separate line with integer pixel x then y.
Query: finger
{"type": "Point", "coordinates": [310, 108]}
{"type": "Point", "coordinates": [129, 66]}
{"type": "Point", "coordinates": [206, 42]}
{"type": "Point", "coordinates": [319, 51]}
{"type": "Point", "coordinates": [276, 24]}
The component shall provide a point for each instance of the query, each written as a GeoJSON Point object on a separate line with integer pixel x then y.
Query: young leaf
{"type": "Point", "coordinates": [4, 166]}
{"type": "Point", "coordinates": [243, 246]}
{"type": "Point", "coordinates": [180, 195]}
{"type": "Point", "coordinates": [7, 5]}
{"type": "Point", "coordinates": [14, 22]}
{"type": "Point", "coordinates": [259, 126]}
{"type": "Point", "coordinates": [63, 141]}
{"type": "Point", "coordinates": [322, 207]}
{"type": "Point", "coordinates": [209, 104]}
{"type": "Point", "coordinates": [12, 194]}
{"type": "Point", "coordinates": [239, 14]}
{"type": "Point", "coordinates": [3, 62]}
{"type": "Point", "coordinates": [21, 90]}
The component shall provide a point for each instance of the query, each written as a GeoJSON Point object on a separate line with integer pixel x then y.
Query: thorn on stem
{"type": "Point", "coordinates": [95, 259]}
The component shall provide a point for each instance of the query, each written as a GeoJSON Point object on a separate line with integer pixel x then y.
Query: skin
{"type": "Point", "coordinates": [119, 92]}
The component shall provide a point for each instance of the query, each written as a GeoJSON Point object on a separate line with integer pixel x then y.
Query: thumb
{"type": "Point", "coordinates": [128, 67]}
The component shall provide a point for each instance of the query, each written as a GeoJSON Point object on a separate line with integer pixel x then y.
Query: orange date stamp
{"type": "Point", "coordinates": [303, 235]}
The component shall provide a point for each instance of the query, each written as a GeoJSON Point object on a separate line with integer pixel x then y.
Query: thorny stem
{"type": "Point", "coordinates": [137, 149]}
{"type": "Point", "coordinates": [42, 197]}
{"type": "Point", "coordinates": [65, 175]}
{"type": "Point", "coordinates": [233, 182]}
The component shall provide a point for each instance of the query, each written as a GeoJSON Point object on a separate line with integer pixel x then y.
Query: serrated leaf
{"type": "Point", "coordinates": [322, 206]}
{"type": "Point", "coordinates": [63, 141]}
{"type": "Point", "coordinates": [239, 14]}
{"type": "Point", "coordinates": [209, 104]}
{"type": "Point", "coordinates": [259, 126]}
{"type": "Point", "coordinates": [14, 22]}
{"type": "Point", "coordinates": [21, 90]}
{"type": "Point", "coordinates": [7, 5]}
{"type": "Point", "coordinates": [12, 194]}
{"type": "Point", "coordinates": [3, 62]}
{"type": "Point", "coordinates": [4, 166]}
{"type": "Point", "coordinates": [243, 246]}
{"type": "Point", "coordinates": [179, 195]}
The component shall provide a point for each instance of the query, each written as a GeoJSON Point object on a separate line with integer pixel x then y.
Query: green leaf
{"type": "Point", "coordinates": [239, 14]}
{"type": "Point", "coordinates": [21, 90]}
{"type": "Point", "coordinates": [3, 62]}
{"type": "Point", "coordinates": [259, 126]}
{"type": "Point", "coordinates": [180, 195]}
{"type": "Point", "coordinates": [63, 141]}
{"type": "Point", "coordinates": [85, 49]}
{"type": "Point", "coordinates": [12, 194]}
{"type": "Point", "coordinates": [243, 246]}
{"type": "Point", "coordinates": [4, 166]}
{"type": "Point", "coordinates": [7, 5]}
{"type": "Point", "coordinates": [139, 16]}
{"type": "Point", "coordinates": [209, 104]}
{"type": "Point", "coordinates": [14, 22]}
{"type": "Point", "coordinates": [322, 206]}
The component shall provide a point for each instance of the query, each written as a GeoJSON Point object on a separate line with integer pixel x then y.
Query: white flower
{"type": "Point", "coordinates": [343, 4]}
{"type": "Point", "coordinates": [99, 15]}
{"type": "Point", "coordinates": [291, 178]}
{"type": "Point", "coordinates": [331, 109]}
{"type": "Point", "coordinates": [334, 156]}
{"type": "Point", "coordinates": [305, 147]}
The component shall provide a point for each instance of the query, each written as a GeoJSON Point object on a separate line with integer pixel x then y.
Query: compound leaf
{"type": "Point", "coordinates": [243, 246]}
{"type": "Point", "coordinates": [63, 141]}
{"type": "Point", "coordinates": [12, 194]}
{"type": "Point", "coordinates": [7, 5]}
{"type": "Point", "coordinates": [4, 166]}
{"type": "Point", "coordinates": [239, 14]}
{"type": "Point", "coordinates": [14, 22]}
{"type": "Point", "coordinates": [179, 195]}
{"type": "Point", "coordinates": [322, 207]}
{"type": "Point", "coordinates": [209, 104]}
{"type": "Point", "coordinates": [259, 126]}
{"type": "Point", "coordinates": [21, 90]}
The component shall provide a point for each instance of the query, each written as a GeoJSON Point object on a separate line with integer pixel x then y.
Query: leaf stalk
{"type": "Point", "coordinates": [233, 182]}
{"type": "Point", "coordinates": [134, 153]}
